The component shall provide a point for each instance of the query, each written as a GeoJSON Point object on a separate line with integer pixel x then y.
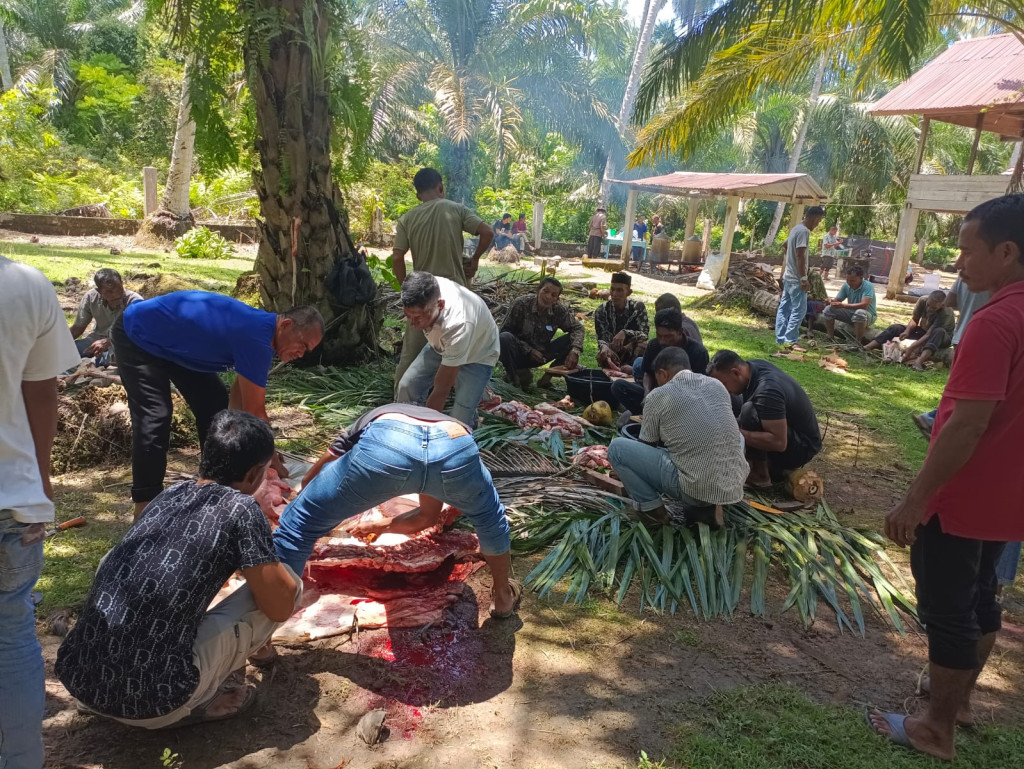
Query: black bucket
{"type": "Point", "coordinates": [630, 430]}
{"type": "Point", "coordinates": [590, 385]}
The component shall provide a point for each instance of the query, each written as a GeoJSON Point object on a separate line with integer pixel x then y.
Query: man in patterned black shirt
{"type": "Point", "coordinates": [526, 334]}
{"type": "Point", "coordinates": [621, 325]}
{"type": "Point", "coordinates": [148, 650]}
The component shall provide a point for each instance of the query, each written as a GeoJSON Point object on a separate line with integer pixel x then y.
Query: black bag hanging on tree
{"type": "Point", "coordinates": [350, 282]}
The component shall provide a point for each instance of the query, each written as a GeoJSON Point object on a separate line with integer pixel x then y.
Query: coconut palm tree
{"type": "Point", "coordinates": [482, 65]}
{"type": "Point", "coordinates": [698, 81]}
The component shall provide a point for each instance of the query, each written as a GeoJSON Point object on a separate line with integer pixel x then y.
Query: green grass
{"type": "Point", "coordinates": [59, 264]}
{"type": "Point", "coordinates": [777, 727]}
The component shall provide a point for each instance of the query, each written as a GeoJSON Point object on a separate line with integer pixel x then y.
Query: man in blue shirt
{"type": "Point", "coordinates": [854, 304]}
{"type": "Point", "coordinates": [186, 338]}
{"type": "Point", "coordinates": [640, 228]}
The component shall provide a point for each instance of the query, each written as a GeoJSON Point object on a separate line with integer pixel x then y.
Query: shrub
{"type": "Point", "coordinates": [201, 243]}
{"type": "Point", "coordinates": [937, 256]}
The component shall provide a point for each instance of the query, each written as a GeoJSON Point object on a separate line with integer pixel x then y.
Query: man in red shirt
{"type": "Point", "coordinates": [968, 499]}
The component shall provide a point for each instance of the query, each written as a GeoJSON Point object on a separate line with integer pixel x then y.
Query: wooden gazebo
{"type": "Point", "coordinates": [975, 83]}
{"type": "Point", "coordinates": [798, 189]}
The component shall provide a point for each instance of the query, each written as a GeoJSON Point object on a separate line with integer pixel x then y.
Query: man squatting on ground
{"type": "Point", "coordinates": [462, 345]}
{"type": "Point", "coordinates": [777, 420]}
{"type": "Point", "coordinates": [855, 304]}
{"type": "Point", "coordinates": [931, 326]}
{"type": "Point", "coordinates": [793, 304]}
{"type": "Point", "coordinates": [669, 330]}
{"type": "Point", "coordinates": [36, 349]}
{"type": "Point", "coordinates": [968, 498]}
{"type": "Point", "coordinates": [147, 649]}
{"type": "Point", "coordinates": [621, 326]}
{"type": "Point", "coordinates": [690, 447]}
{"type": "Point", "coordinates": [104, 305]}
{"type": "Point", "coordinates": [185, 338]}
{"type": "Point", "coordinates": [395, 450]}
{"type": "Point", "coordinates": [433, 232]}
{"type": "Point", "coordinates": [528, 331]}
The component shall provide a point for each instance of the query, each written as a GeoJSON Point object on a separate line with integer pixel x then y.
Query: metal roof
{"type": "Point", "coordinates": [789, 188]}
{"type": "Point", "coordinates": [982, 77]}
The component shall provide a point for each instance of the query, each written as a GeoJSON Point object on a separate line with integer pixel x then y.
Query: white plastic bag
{"type": "Point", "coordinates": [708, 278]}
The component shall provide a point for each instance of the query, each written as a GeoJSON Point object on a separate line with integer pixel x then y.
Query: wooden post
{"type": "Point", "coordinates": [925, 124]}
{"type": "Point", "coordinates": [974, 145]}
{"type": "Point", "coordinates": [732, 213]}
{"type": "Point", "coordinates": [691, 218]}
{"type": "Point", "coordinates": [901, 255]}
{"type": "Point", "coordinates": [705, 247]}
{"type": "Point", "coordinates": [797, 215]}
{"type": "Point", "coordinates": [149, 194]}
{"type": "Point", "coordinates": [627, 228]}
{"type": "Point", "coordinates": [538, 222]}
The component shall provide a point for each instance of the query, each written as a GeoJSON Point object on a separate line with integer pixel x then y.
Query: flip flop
{"type": "Point", "coordinates": [517, 594]}
{"type": "Point", "coordinates": [897, 730]}
{"type": "Point", "coordinates": [199, 715]}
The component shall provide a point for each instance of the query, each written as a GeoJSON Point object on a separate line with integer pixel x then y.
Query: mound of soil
{"type": "Point", "coordinates": [162, 283]}
{"type": "Point", "coordinates": [94, 428]}
{"type": "Point", "coordinates": [506, 255]}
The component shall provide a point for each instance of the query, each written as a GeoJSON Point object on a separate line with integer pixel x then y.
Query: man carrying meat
{"type": "Point", "coordinates": [777, 420]}
{"type": "Point", "coordinates": [433, 232]}
{"type": "Point", "coordinates": [462, 345]}
{"type": "Point", "coordinates": [669, 331]}
{"type": "Point", "coordinates": [395, 450]}
{"type": "Point", "coordinates": [186, 338]}
{"type": "Point", "coordinates": [147, 649]}
{"type": "Point", "coordinates": [621, 326]}
{"type": "Point", "coordinates": [689, 449]}
{"type": "Point", "coordinates": [527, 335]}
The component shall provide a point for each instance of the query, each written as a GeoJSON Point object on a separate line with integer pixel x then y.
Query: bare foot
{"type": "Point", "coordinates": [228, 702]}
{"type": "Point", "coordinates": [502, 601]}
{"type": "Point", "coordinates": [922, 738]}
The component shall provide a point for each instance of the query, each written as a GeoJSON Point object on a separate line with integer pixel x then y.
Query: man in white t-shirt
{"type": "Point", "coordinates": [36, 348]}
{"type": "Point", "coordinates": [462, 345]}
{"type": "Point", "coordinates": [793, 303]}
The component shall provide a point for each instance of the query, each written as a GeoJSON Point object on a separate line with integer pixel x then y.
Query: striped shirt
{"type": "Point", "coordinates": [691, 416]}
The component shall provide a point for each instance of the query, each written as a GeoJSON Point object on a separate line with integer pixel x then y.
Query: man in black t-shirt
{"type": "Point", "coordinates": [669, 331]}
{"type": "Point", "coordinates": [777, 420]}
{"type": "Point", "coordinates": [147, 649]}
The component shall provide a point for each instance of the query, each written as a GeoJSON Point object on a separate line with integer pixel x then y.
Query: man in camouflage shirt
{"type": "Point", "coordinates": [621, 325]}
{"type": "Point", "coordinates": [528, 331]}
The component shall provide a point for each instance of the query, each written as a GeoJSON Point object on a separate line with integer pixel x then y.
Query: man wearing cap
{"type": "Point", "coordinates": [621, 326]}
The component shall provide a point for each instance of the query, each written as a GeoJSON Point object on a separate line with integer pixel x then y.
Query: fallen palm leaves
{"type": "Point", "coordinates": [600, 548]}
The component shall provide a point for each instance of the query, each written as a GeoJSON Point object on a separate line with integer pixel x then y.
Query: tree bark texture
{"type": "Point", "coordinates": [298, 246]}
{"type": "Point", "coordinates": [643, 45]}
{"type": "Point", "coordinates": [5, 61]}
{"type": "Point", "coordinates": [179, 175]}
{"type": "Point", "coordinates": [798, 148]}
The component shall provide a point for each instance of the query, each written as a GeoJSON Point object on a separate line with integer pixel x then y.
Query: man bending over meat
{"type": "Point", "coordinates": [689, 449]}
{"type": "Point", "coordinates": [390, 451]}
{"type": "Point", "coordinates": [147, 650]}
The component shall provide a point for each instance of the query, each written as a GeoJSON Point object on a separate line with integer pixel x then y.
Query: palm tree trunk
{"type": "Point", "coordinates": [459, 186]}
{"type": "Point", "coordinates": [179, 176]}
{"type": "Point", "coordinates": [5, 61]}
{"type": "Point", "coordinates": [298, 246]}
{"type": "Point", "coordinates": [643, 45]}
{"type": "Point", "coordinates": [798, 148]}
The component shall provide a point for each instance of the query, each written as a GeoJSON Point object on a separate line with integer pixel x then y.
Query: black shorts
{"type": "Point", "coordinates": [594, 246]}
{"type": "Point", "coordinates": [956, 593]}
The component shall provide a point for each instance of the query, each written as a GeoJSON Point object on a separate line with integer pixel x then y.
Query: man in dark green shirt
{"type": "Point", "coordinates": [527, 335]}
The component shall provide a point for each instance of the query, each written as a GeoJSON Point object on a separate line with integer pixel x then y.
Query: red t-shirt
{"type": "Point", "coordinates": [985, 499]}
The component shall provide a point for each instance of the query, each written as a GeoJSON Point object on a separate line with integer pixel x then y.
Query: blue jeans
{"type": "Point", "coordinates": [21, 657]}
{"type": "Point", "coordinates": [638, 370]}
{"type": "Point", "coordinates": [394, 458]}
{"type": "Point", "coordinates": [929, 417]}
{"type": "Point", "coordinates": [418, 381]}
{"type": "Point", "coordinates": [647, 472]}
{"type": "Point", "coordinates": [792, 309]}
{"type": "Point", "coordinates": [1006, 566]}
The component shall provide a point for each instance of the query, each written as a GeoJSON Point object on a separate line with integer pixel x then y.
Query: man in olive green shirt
{"type": "Point", "coordinates": [433, 232]}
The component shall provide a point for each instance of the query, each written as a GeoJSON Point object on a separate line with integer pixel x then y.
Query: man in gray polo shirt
{"type": "Point", "coordinates": [690, 447]}
{"type": "Point", "coordinates": [103, 304]}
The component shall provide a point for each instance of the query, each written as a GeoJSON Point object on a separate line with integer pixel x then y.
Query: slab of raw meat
{"type": "Point", "coordinates": [414, 554]}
